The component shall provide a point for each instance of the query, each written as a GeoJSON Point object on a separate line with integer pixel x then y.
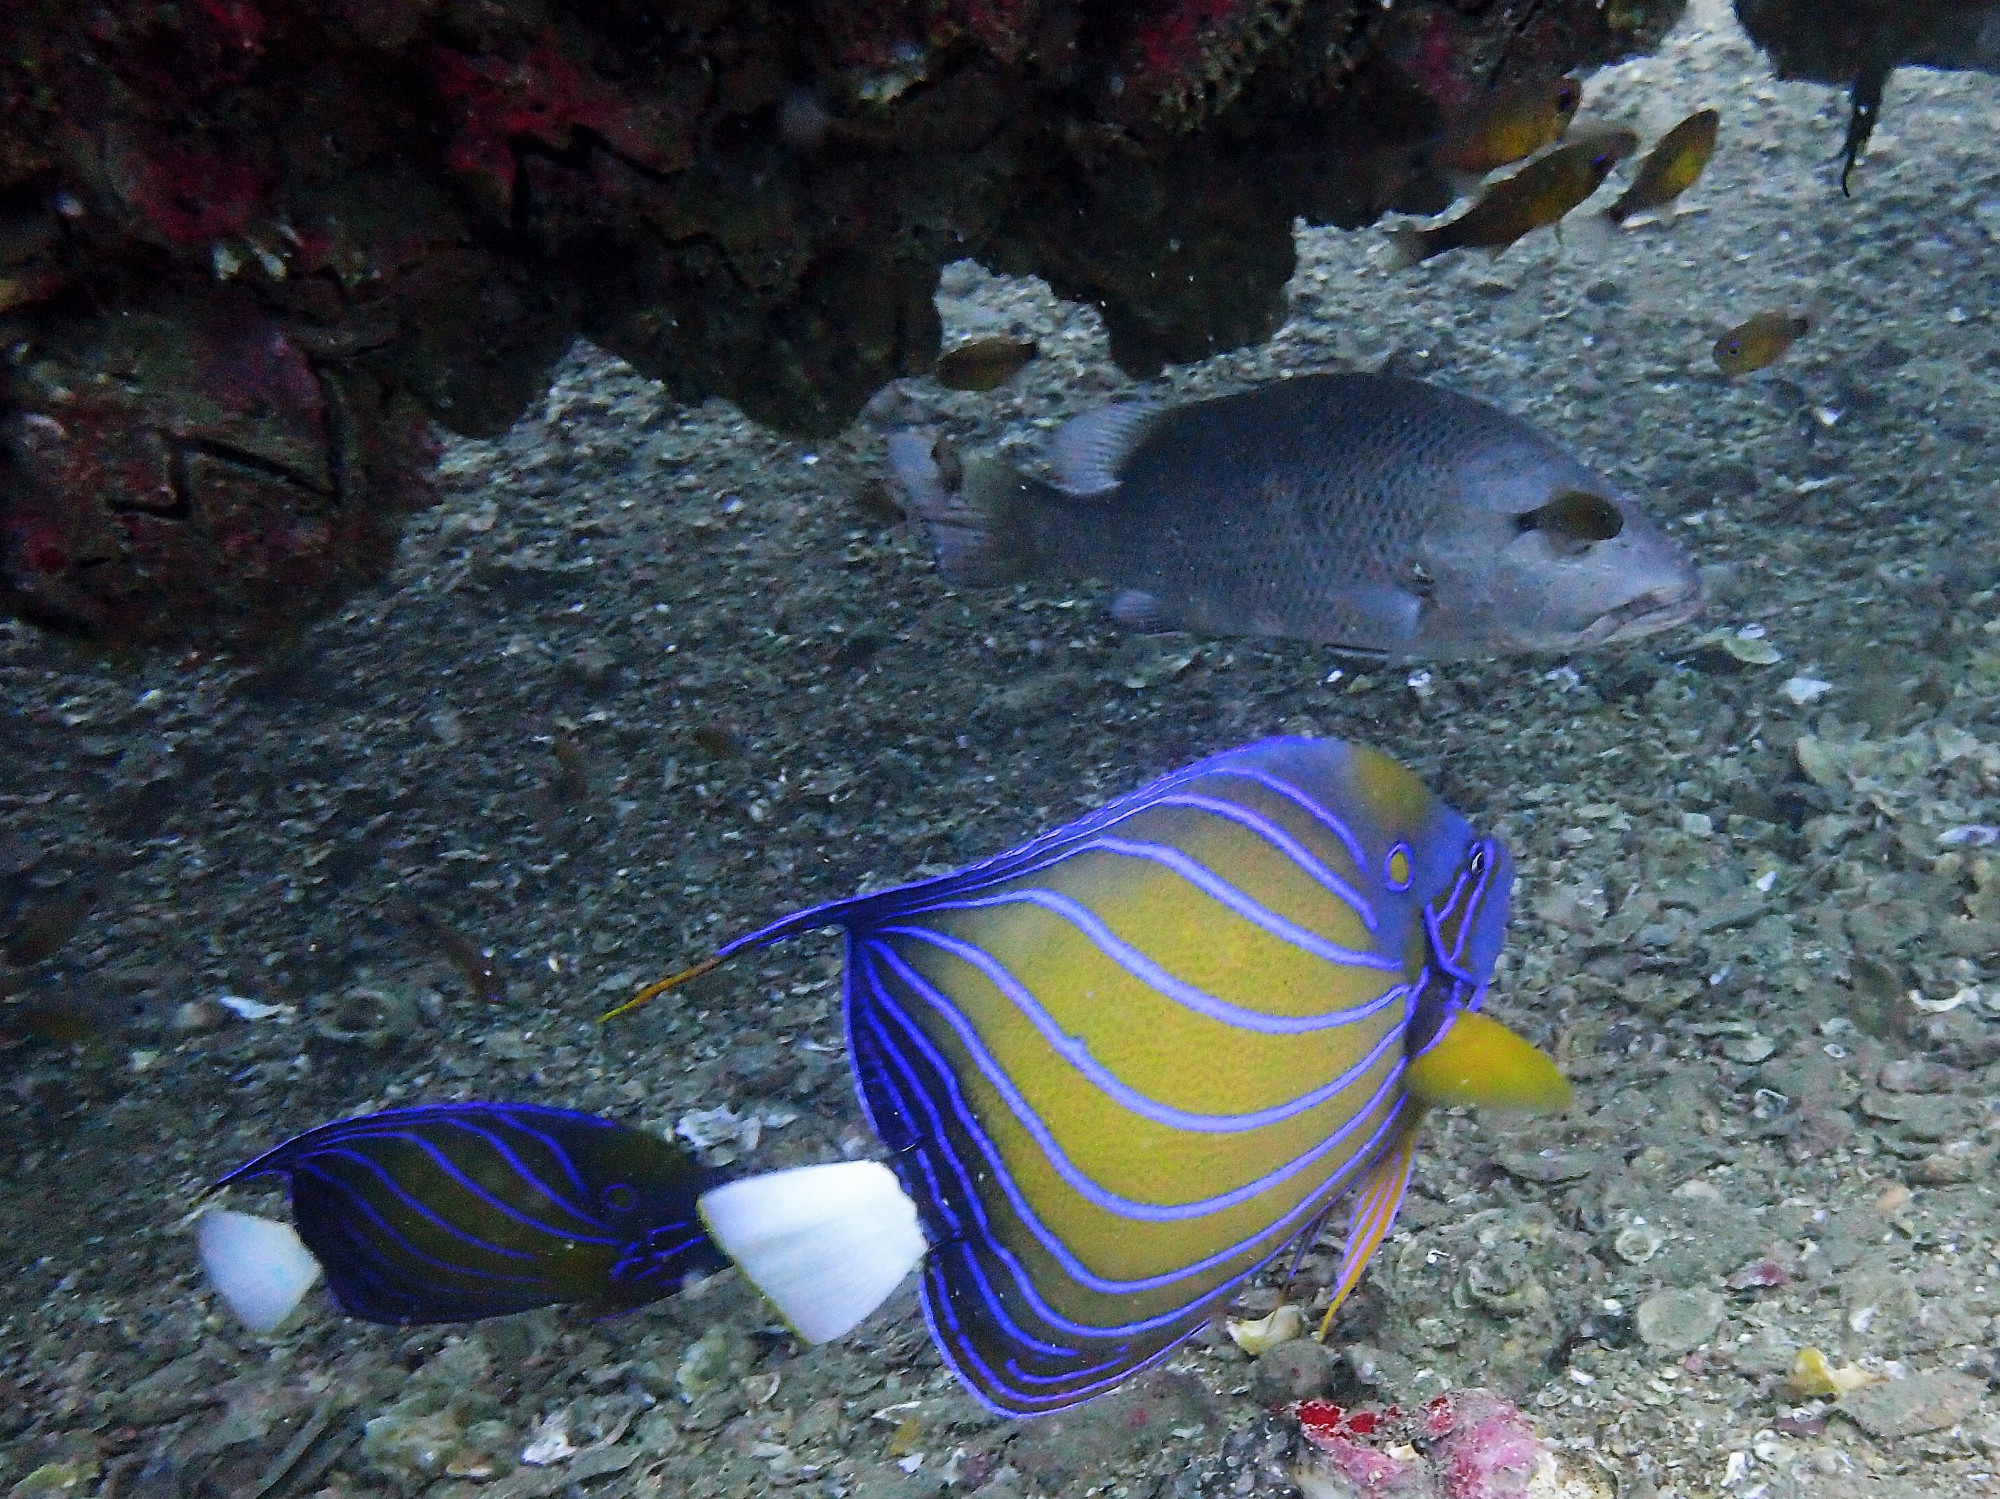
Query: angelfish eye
{"type": "Point", "coordinates": [619, 1197]}
{"type": "Point", "coordinates": [1479, 860]}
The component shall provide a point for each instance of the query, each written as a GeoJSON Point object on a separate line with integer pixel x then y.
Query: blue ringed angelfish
{"type": "Point", "coordinates": [1124, 1065]}
{"type": "Point", "coordinates": [448, 1212]}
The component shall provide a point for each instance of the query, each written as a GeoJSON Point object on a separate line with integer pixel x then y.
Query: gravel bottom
{"type": "Point", "coordinates": [651, 675]}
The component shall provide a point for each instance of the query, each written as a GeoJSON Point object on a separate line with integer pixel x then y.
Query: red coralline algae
{"type": "Point", "coordinates": [1489, 1451]}
{"type": "Point", "coordinates": [193, 194]}
{"type": "Point", "coordinates": [1470, 1444]}
{"type": "Point", "coordinates": [1194, 56]}
{"type": "Point", "coordinates": [543, 97]}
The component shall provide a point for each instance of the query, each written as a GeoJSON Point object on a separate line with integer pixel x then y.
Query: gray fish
{"type": "Point", "coordinates": [1379, 514]}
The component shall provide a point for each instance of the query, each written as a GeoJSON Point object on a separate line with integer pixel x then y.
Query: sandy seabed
{"type": "Point", "coordinates": [650, 676]}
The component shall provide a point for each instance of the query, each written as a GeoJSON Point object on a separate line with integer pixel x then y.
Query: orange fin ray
{"type": "Point", "coordinates": [1374, 1211]}
{"type": "Point", "coordinates": [661, 986]}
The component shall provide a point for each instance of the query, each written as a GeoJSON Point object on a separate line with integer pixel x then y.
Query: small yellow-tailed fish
{"type": "Point", "coordinates": [1506, 125]}
{"type": "Point", "coordinates": [1759, 340]}
{"type": "Point", "coordinates": [1118, 1069]}
{"type": "Point", "coordinates": [984, 363]}
{"type": "Point", "coordinates": [1533, 198]}
{"type": "Point", "coordinates": [1671, 167]}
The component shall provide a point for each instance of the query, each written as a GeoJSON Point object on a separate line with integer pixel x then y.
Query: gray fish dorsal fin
{"type": "Point", "coordinates": [1089, 451]}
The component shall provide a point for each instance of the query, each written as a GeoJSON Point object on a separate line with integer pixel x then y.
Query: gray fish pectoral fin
{"type": "Point", "coordinates": [1380, 611]}
{"type": "Point", "coordinates": [1137, 609]}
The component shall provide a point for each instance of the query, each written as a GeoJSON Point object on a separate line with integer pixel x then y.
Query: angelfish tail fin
{"type": "Point", "coordinates": [258, 1266]}
{"type": "Point", "coordinates": [1375, 1206]}
{"type": "Point", "coordinates": [986, 522]}
{"type": "Point", "coordinates": [825, 1244]}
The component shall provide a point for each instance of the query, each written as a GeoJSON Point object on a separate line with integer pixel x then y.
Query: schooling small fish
{"type": "Point", "coordinates": [1378, 514]}
{"type": "Point", "coordinates": [455, 1211]}
{"type": "Point", "coordinates": [1506, 125]}
{"type": "Point", "coordinates": [1533, 198]}
{"type": "Point", "coordinates": [983, 364]}
{"type": "Point", "coordinates": [1760, 340]}
{"type": "Point", "coordinates": [1124, 1065]}
{"type": "Point", "coordinates": [1671, 167]}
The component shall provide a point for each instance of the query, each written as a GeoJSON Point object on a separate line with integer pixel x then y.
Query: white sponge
{"type": "Point", "coordinates": [259, 1266]}
{"type": "Point", "coordinates": [827, 1244]}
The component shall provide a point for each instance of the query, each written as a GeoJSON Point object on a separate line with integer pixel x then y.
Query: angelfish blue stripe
{"type": "Point", "coordinates": [1077, 1054]}
{"type": "Point", "coordinates": [1024, 1281]}
{"type": "Point", "coordinates": [938, 1140]}
{"type": "Point", "coordinates": [398, 1193]}
{"type": "Point", "coordinates": [404, 1246]}
{"type": "Point", "coordinates": [1153, 976]}
{"type": "Point", "coordinates": [450, 1169]}
{"type": "Point", "coordinates": [1075, 1178]}
{"type": "Point", "coordinates": [1323, 815]}
{"type": "Point", "coordinates": [1048, 848]}
{"type": "Point", "coordinates": [1156, 978]}
{"type": "Point", "coordinates": [1203, 879]}
{"type": "Point", "coordinates": [1307, 861]}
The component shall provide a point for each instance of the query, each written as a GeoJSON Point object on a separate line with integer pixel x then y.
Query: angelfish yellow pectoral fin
{"type": "Point", "coordinates": [1375, 1204]}
{"type": "Point", "coordinates": [1479, 1061]}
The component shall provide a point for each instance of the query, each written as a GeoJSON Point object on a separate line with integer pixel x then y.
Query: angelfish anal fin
{"type": "Point", "coordinates": [1375, 1205]}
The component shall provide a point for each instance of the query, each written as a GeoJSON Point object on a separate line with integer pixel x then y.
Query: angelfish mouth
{"type": "Point", "coordinates": [1659, 609]}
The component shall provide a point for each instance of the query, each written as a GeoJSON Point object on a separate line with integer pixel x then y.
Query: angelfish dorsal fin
{"type": "Point", "coordinates": [1088, 452]}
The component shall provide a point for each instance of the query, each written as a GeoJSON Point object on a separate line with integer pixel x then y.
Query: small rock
{"type": "Point", "coordinates": [1923, 1116]}
{"type": "Point", "coordinates": [1814, 1376]}
{"type": "Point", "coordinates": [1752, 650]}
{"type": "Point", "coordinates": [1959, 1162]}
{"type": "Point", "coordinates": [1298, 1370]}
{"type": "Point", "coordinates": [1679, 1321]}
{"type": "Point", "coordinates": [1905, 1407]}
{"type": "Point", "coordinates": [1918, 1075]}
{"type": "Point", "coordinates": [715, 1360]}
{"type": "Point", "coordinates": [1820, 763]}
{"type": "Point", "coordinates": [1749, 1050]}
{"type": "Point", "coordinates": [52, 1480]}
{"type": "Point", "coordinates": [1638, 1243]}
{"type": "Point", "coordinates": [1547, 1165]}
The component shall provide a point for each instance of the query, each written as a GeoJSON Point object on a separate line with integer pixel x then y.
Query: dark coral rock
{"type": "Point", "coordinates": [245, 245]}
{"type": "Point", "coordinates": [1839, 43]}
{"type": "Point", "coordinates": [1862, 44]}
{"type": "Point", "coordinates": [194, 460]}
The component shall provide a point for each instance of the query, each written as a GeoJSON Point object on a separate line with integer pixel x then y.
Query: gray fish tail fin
{"type": "Point", "coordinates": [987, 523]}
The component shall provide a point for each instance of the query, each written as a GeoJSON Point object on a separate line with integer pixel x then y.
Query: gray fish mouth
{"type": "Point", "coordinates": [1649, 613]}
